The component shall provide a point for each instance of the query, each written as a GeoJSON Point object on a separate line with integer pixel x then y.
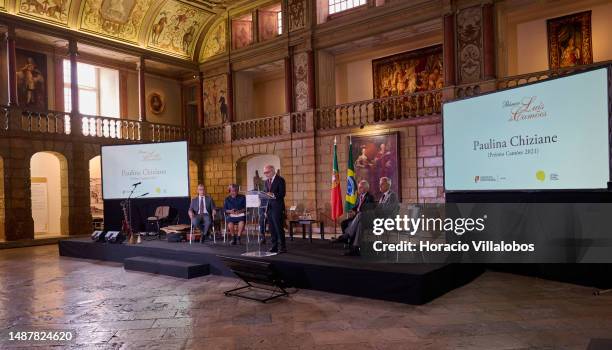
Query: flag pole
{"type": "Point", "coordinates": [350, 150]}
{"type": "Point", "coordinates": [335, 219]}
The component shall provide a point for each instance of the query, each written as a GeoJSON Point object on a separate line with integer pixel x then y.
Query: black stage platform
{"type": "Point", "coordinates": [317, 265]}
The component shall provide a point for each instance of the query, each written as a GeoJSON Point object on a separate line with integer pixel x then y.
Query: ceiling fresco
{"type": "Point", "coordinates": [176, 28]}
{"type": "Point", "coordinates": [118, 19]}
{"type": "Point", "coordinates": [171, 27]}
{"type": "Point", "coordinates": [215, 41]}
{"type": "Point", "coordinates": [55, 11]}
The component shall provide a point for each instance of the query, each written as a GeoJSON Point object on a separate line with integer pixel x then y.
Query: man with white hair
{"type": "Point", "coordinates": [275, 188]}
{"type": "Point", "coordinates": [388, 206]}
{"type": "Point", "coordinates": [365, 201]}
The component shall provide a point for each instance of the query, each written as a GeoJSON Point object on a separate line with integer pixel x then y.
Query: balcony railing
{"type": "Point", "coordinates": [256, 128]}
{"type": "Point", "coordinates": [357, 114]}
{"type": "Point", "coordinates": [49, 122]}
{"type": "Point", "coordinates": [299, 122]}
{"type": "Point", "coordinates": [518, 80]}
{"type": "Point", "coordinates": [349, 115]}
{"type": "Point", "coordinates": [112, 128]}
{"type": "Point", "coordinates": [214, 135]}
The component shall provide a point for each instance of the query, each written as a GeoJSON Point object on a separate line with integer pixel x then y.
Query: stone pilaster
{"type": "Point", "coordinates": [17, 203]}
{"type": "Point", "coordinates": [79, 210]}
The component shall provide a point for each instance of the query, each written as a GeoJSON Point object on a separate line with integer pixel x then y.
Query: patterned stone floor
{"type": "Point", "coordinates": [110, 308]}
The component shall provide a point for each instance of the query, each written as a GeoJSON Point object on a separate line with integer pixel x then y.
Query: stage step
{"type": "Point", "coordinates": [175, 268]}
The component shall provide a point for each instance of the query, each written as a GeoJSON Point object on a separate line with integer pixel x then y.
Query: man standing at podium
{"type": "Point", "coordinates": [275, 188]}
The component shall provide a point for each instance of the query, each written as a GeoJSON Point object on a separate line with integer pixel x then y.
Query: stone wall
{"type": "Point", "coordinates": [430, 163]}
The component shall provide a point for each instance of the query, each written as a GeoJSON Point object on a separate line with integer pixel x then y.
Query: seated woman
{"type": "Point", "coordinates": [235, 213]}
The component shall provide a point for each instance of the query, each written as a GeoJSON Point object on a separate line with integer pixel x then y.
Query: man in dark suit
{"type": "Point", "coordinates": [275, 187]}
{"type": "Point", "coordinates": [365, 201]}
{"type": "Point", "coordinates": [388, 207]}
{"type": "Point", "coordinates": [202, 211]}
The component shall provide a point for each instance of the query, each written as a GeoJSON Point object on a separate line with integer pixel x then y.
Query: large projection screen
{"type": "Point", "coordinates": [161, 168]}
{"type": "Point", "coordinates": [550, 135]}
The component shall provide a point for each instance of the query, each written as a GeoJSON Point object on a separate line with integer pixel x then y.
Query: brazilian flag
{"type": "Point", "coordinates": [351, 187]}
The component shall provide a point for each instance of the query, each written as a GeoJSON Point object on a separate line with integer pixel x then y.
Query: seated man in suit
{"type": "Point", "coordinates": [202, 211]}
{"type": "Point", "coordinates": [388, 207]}
{"type": "Point", "coordinates": [388, 204]}
{"type": "Point", "coordinates": [365, 201]}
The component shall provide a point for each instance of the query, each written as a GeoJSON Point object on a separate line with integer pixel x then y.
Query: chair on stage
{"type": "Point", "coordinates": [162, 214]}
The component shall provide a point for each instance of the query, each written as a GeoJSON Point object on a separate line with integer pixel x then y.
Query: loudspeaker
{"type": "Point", "coordinates": [97, 236]}
{"type": "Point", "coordinates": [114, 237]}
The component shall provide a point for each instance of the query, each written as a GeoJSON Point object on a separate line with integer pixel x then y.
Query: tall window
{"type": "Point", "coordinates": [279, 19]}
{"type": "Point", "coordinates": [98, 90]}
{"type": "Point", "coordinates": [336, 6]}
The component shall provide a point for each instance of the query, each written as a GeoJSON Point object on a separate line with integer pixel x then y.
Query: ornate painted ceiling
{"type": "Point", "coordinates": [169, 27]}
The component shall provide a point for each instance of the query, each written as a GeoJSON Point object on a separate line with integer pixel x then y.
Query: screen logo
{"type": "Point", "coordinates": [149, 155]}
{"type": "Point", "coordinates": [525, 109]}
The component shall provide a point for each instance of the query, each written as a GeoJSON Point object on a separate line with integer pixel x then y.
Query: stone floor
{"type": "Point", "coordinates": [110, 308]}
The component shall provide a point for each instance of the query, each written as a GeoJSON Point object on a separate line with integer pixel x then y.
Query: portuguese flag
{"type": "Point", "coordinates": [336, 195]}
{"type": "Point", "coordinates": [351, 187]}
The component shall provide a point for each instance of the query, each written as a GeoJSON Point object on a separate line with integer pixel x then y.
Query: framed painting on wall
{"type": "Point", "coordinates": [569, 40]}
{"type": "Point", "coordinates": [377, 156]}
{"type": "Point", "coordinates": [31, 79]}
{"type": "Point", "coordinates": [157, 103]}
{"type": "Point", "coordinates": [408, 72]}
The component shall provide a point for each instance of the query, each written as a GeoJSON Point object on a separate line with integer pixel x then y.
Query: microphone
{"type": "Point", "coordinates": [136, 184]}
{"type": "Point", "coordinates": [144, 194]}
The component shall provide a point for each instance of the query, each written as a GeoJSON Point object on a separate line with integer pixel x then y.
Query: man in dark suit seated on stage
{"type": "Point", "coordinates": [275, 188]}
{"type": "Point", "coordinates": [365, 201]}
{"type": "Point", "coordinates": [387, 207]}
{"type": "Point", "coordinates": [202, 211]}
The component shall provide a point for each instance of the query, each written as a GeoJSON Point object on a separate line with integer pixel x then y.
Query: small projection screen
{"type": "Point", "coordinates": [162, 169]}
{"type": "Point", "coordinates": [550, 135]}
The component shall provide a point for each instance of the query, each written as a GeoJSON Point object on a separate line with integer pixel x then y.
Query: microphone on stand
{"type": "Point", "coordinates": [136, 184]}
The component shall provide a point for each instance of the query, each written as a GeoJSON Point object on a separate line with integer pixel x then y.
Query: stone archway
{"type": "Point", "coordinates": [248, 167]}
{"type": "Point", "coordinates": [49, 194]}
